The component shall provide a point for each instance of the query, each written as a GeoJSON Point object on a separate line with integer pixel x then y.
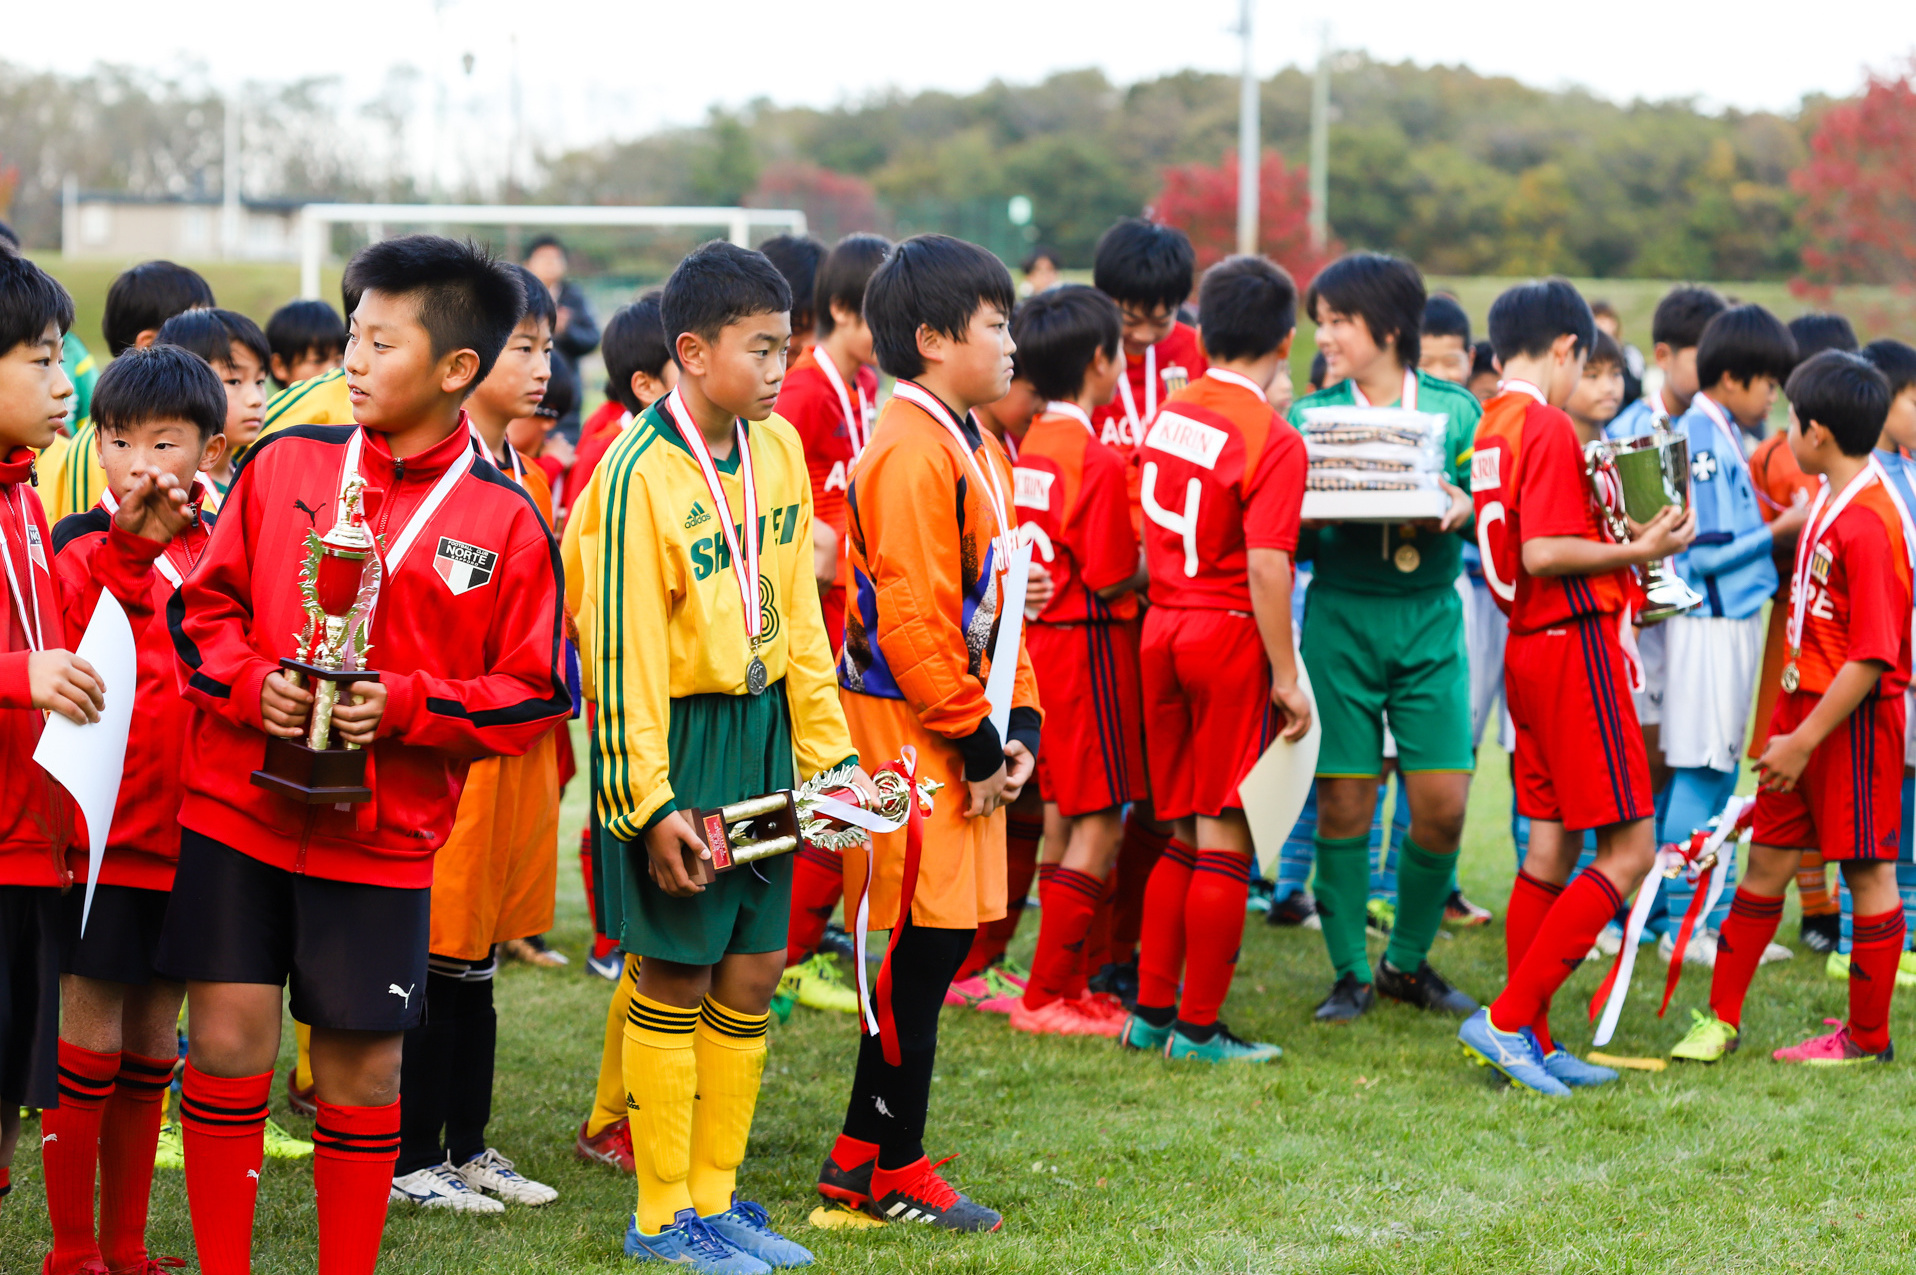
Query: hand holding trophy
{"type": "Point", "coordinates": [1632, 481]}
{"type": "Point", "coordinates": [827, 810]}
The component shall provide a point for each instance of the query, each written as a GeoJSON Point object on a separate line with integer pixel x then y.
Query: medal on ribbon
{"type": "Point", "coordinates": [744, 564]}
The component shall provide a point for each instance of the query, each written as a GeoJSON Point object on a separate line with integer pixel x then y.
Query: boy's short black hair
{"type": "Point", "coordinates": [543, 241]}
{"type": "Point", "coordinates": [1037, 254]}
{"type": "Point", "coordinates": [842, 276]}
{"type": "Point", "coordinates": [1683, 314]}
{"type": "Point", "coordinates": [1745, 342]}
{"type": "Point", "coordinates": [1060, 332]}
{"type": "Point", "coordinates": [468, 299]}
{"type": "Point", "coordinates": [1443, 316]}
{"type": "Point", "coordinates": [162, 382]}
{"type": "Point", "coordinates": [145, 297]}
{"type": "Point", "coordinates": [1601, 308]}
{"type": "Point", "coordinates": [1821, 330]}
{"type": "Point", "coordinates": [717, 284]}
{"type": "Point", "coordinates": [30, 299]}
{"type": "Point", "coordinates": [539, 302]}
{"type": "Point", "coordinates": [562, 391]}
{"type": "Point", "coordinates": [1246, 308]}
{"type": "Point", "coordinates": [1145, 264]}
{"type": "Point", "coordinates": [1844, 394]}
{"type": "Point", "coordinates": [1320, 368]}
{"type": "Point", "coordinates": [1483, 358]}
{"type": "Point", "coordinates": [300, 328]}
{"type": "Point", "coordinates": [1528, 318]}
{"type": "Point", "coordinates": [933, 281]}
{"type": "Point", "coordinates": [1386, 292]}
{"type": "Point", "coordinates": [1606, 350]}
{"type": "Point", "coordinates": [634, 341]}
{"type": "Point", "coordinates": [8, 237]}
{"type": "Point", "coordinates": [1894, 360]}
{"type": "Point", "coordinates": [797, 258]}
{"type": "Point", "coordinates": [211, 334]}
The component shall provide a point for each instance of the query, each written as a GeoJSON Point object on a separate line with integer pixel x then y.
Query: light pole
{"type": "Point", "coordinates": [1321, 142]}
{"type": "Point", "coordinates": [1247, 147]}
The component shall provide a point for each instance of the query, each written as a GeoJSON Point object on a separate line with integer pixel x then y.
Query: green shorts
{"type": "Point", "coordinates": [1373, 655]}
{"type": "Point", "coordinates": [723, 748]}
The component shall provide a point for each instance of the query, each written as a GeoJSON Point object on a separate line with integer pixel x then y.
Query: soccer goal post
{"type": "Point", "coordinates": [317, 221]}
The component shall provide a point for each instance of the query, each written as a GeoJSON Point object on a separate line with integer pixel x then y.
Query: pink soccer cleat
{"type": "Point", "coordinates": [968, 993]}
{"type": "Point", "coordinates": [1061, 1018]}
{"type": "Point", "coordinates": [1834, 1050]}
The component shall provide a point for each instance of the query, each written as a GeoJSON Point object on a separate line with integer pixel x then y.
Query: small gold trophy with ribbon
{"type": "Point", "coordinates": [339, 583]}
{"type": "Point", "coordinates": [827, 811]}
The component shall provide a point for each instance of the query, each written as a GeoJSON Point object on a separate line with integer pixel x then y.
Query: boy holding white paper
{"type": "Point", "coordinates": [39, 673]}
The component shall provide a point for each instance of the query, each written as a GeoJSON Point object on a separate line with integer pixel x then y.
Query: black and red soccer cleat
{"type": "Point", "coordinates": [916, 1193]}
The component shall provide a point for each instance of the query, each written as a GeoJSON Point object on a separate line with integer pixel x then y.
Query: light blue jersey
{"type": "Point", "coordinates": [1730, 561]}
{"type": "Point", "coordinates": [1634, 419]}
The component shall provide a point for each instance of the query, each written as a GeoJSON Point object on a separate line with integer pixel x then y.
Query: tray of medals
{"type": "Point", "coordinates": [1374, 464]}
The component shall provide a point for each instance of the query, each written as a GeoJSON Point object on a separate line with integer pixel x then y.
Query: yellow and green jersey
{"type": "Point", "coordinates": [318, 400]}
{"type": "Point", "coordinates": [666, 617]}
{"type": "Point", "coordinates": [72, 483]}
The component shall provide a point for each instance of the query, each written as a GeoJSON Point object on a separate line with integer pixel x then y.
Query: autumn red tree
{"type": "Point", "coordinates": [834, 203]}
{"type": "Point", "coordinates": [1858, 189]}
{"type": "Point", "coordinates": [1201, 200]}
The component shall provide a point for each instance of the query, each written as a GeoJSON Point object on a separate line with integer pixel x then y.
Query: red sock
{"type": "Point", "coordinates": [1097, 940]}
{"type": "Point", "coordinates": [818, 880]}
{"type": "Point", "coordinates": [1066, 901]}
{"type": "Point", "coordinates": [1161, 938]}
{"type": "Point", "coordinates": [1213, 931]}
{"type": "Point", "coordinates": [1876, 948]}
{"type": "Point", "coordinates": [354, 1151]}
{"type": "Point", "coordinates": [1561, 942]}
{"type": "Point", "coordinates": [585, 870]}
{"type": "Point", "coordinates": [1530, 900]}
{"type": "Point", "coordinates": [223, 1133]}
{"type": "Point", "coordinates": [129, 1132]}
{"type": "Point", "coordinates": [849, 1152]}
{"type": "Point", "coordinates": [6, 1182]}
{"type": "Point", "coordinates": [70, 1153]}
{"type": "Point", "coordinates": [1747, 930]}
{"type": "Point", "coordinates": [1021, 863]}
{"type": "Point", "coordinates": [1137, 855]}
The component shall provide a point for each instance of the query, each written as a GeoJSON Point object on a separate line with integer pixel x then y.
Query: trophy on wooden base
{"type": "Point", "coordinates": [339, 583]}
{"type": "Point", "coordinates": [1633, 480]}
{"type": "Point", "coordinates": [774, 824]}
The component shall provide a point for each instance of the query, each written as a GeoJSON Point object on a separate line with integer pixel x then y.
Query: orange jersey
{"type": "Point", "coordinates": [1778, 478]}
{"type": "Point", "coordinates": [1527, 480]}
{"type": "Point", "coordinates": [1072, 507]}
{"type": "Point", "coordinates": [1858, 602]}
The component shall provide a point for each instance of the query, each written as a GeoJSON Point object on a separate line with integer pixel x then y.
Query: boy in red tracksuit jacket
{"type": "Point", "coordinates": [467, 637]}
{"type": "Point", "coordinates": [43, 616]}
{"type": "Point", "coordinates": [164, 409]}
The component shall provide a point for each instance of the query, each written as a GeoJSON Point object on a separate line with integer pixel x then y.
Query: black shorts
{"type": "Point", "coordinates": [122, 935]}
{"type": "Point", "coordinates": [32, 931]}
{"type": "Point", "coordinates": [353, 954]}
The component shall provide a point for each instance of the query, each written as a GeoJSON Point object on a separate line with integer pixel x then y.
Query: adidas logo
{"type": "Point", "coordinates": [698, 516]}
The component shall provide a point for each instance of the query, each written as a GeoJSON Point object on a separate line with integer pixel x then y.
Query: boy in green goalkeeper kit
{"type": "Point", "coordinates": [1384, 638]}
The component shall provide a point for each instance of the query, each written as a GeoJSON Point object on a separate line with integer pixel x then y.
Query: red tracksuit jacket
{"type": "Point", "coordinates": [467, 639]}
{"type": "Point", "coordinates": [143, 847]}
{"type": "Point", "coordinates": [37, 818]}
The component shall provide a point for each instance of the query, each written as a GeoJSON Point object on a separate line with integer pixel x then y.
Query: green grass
{"type": "Point", "coordinates": [1369, 1148]}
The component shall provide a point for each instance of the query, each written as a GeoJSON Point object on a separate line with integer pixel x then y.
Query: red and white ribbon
{"type": "Point", "coordinates": [744, 565]}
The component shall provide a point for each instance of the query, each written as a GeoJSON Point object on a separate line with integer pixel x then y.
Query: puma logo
{"type": "Point", "coordinates": [51, 1137]}
{"type": "Point", "coordinates": [253, 1174]}
{"type": "Point", "coordinates": [404, 994]}
{"type": "Point", "coordinates": [312, 515]}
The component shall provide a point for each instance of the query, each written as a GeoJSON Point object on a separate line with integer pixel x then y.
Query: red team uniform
{"type": "Point", "coordinates": [833, 420]}
{"type": "Point", "coordinates": [1070, 493]}
{"type": "Point", "coordinates": [1567, 679]}
{"type": "Point", "coordinates": [1221, 474]}
{"type": "Point", "coordinates": [1149, 382]}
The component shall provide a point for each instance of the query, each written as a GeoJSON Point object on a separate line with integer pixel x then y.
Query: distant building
{"type": "Point", "coordinates": [137, 228]}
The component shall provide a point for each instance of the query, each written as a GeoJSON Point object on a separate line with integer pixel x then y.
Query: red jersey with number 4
{"type": "Point", "coordinates": [1170, 365]}
{"type": "Point", "coordinates": [1527, 480]}
{"type": "Point", "coordinates": [1072, 508]}
{"type": "Point", "coordinates": [1221, 474]}
{"type": "Point", "coordinates": [1859, 595]}
{"type": "Point", "coordinates": [809, 402]}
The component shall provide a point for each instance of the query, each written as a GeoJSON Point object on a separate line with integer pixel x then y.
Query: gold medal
{"type": "Point", "coordinates": [1407, 559]}
{"type": "Point", "coordinates": [1791, 678]}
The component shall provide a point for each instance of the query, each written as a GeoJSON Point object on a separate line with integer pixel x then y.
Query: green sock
{"type": "Point", "coordinates": [1342, 887]}
{"type": "Point", "coordinates": [1423, 885]}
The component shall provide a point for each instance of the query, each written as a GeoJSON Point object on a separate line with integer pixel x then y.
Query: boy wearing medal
{"type": "Point", "coordinates": [1831, 774]}
{"type": "Point", "coordinates": [1384, 636]}
{"type": "Point", "coordinates": [465, 634]}
{"type": "Point", "coordinates": [715, 684]}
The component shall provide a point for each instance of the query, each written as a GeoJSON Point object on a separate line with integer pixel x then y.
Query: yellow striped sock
{"type": "Point", "coordinates": [661, 1081]}
{"type": "Point", "coordinates": [730, 1047]}
{"type": "Point", "coordinates": [608, 1099]}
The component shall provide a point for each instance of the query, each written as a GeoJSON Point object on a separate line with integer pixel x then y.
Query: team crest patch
{"type": "Point", "coordinates": [1703, 468]}
{"type": "Point", "coordinates": [35, 549]}
{"type": "Point", "coordinates": [462, 566]}
{"type": "Point", "coordinates": [1820, 564]}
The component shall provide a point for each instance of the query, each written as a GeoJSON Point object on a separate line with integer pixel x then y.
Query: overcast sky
{"type": "Point", "coordinates": [589, 69]}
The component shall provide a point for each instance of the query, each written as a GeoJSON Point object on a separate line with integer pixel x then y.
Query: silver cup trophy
{"type": "Point", "coordinates": [1633, 480]}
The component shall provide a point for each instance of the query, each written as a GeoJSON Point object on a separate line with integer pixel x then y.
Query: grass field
{"type": "Point", "coordinates": [1370, 1148]}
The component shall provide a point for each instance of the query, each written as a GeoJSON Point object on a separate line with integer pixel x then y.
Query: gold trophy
{"type": "Point", "coordinates": [774, 824]}
{"type": "Point", "coordinates": [1633, 480]}
{"type": "Point", "coordinates": [339, 582]}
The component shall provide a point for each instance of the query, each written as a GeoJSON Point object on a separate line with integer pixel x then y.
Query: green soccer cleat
{"type": "Point", "coordinates": [281, 1145]}
{"type": "Point", "coordinates": [1142, 1036]}
{"type": "Point", "coordinates": [1709, 1040]}
{"type": "Point", "coordinates": [1380, 915]}
{"type": "Point", "coordinates": [1906, 970]}
{"type": "Point", "coordinates": [816, 984]}
{"type": "Point", "coordinates": [169, 1152]}
{"type": "Point", "coordinates": [1224, 1046]}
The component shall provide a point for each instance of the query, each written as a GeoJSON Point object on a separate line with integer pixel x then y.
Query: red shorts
{"type": "Point", "coordinates": [1207, 708]}
{"type": "Point", "coordinates": [1580, 757]}
{"type": "Point", "coordinates": [1849, 802]}
{"type": "Point", "coordinates": [831, 602]}
{"type": "Point", "coordinates": [1088, 682]}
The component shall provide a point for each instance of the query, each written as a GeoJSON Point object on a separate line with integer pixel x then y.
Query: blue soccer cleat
{"type": "Point", "coordinates": [1574, 1071]}
{"type": "Point", "coordinates": [691, 1241]}
{"type": "Point", "coordinates": [1514, 1054]}
{"type": "Point", "coordinates": [747, 1227]}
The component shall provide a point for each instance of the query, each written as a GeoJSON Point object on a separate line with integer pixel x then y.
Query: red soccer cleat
{"type": "Point", "coordinates": [611, 1145]}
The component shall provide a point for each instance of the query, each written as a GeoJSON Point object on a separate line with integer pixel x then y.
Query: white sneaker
{"type": "Point", "coordinates": [1610, 939]}
{"type": "Point", "coordinates": [493, 1173]}
{"type": "Point", "coordinates": [441, 1187]}
{"type": "Point", "coordinates": [1776, 952]}
{"type": "Point", "coordinates": [1701, 949]}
